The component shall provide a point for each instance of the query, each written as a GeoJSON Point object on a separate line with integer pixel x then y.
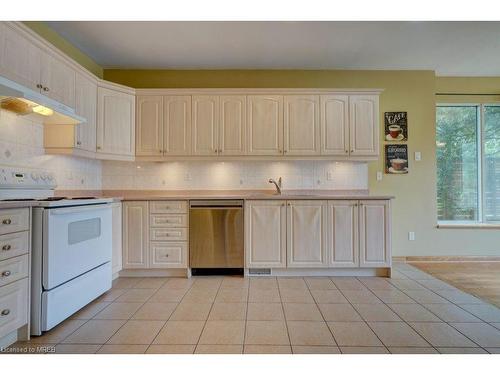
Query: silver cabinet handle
{"type": "Point", "coordinates": [46, 89]}
{"type": "Point", "coordinates": [346, 151]}
{"type": "Point", "coordinates": [6, 247]}
{"type": "Point", "coordinates": [6, 273]}
{"type": "Point", "coordinates": [39, 86]}
{"type": "Point", "coordinates": [5, 312]}
{"type": "Point", "coordinates": [7, 221]}
{"type": "Point", "coordinates": [78, 143]}
{"type": "Point", "coordinates": [98, 147]}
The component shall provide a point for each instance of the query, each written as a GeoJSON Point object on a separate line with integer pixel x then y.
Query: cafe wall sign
{"type": "Point", "coordinates": [396, 126]}
{"type": "Point", "coordinates": [396, 159]}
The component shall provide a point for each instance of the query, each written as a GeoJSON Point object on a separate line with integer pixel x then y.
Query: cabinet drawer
{"type": "Point", "coordinates": [15, 220]}
{"type": "Point", "coordinates": [173, 234]}
{"type": "Point", "coordinates": [168, 221]}
{"type": "Point", "coordinates": [168, 207]}
{"type": "Point", "coordinates": [168, 254]}
{"type": "Point", "coordinates": [13, 269]}
{"type": "Point", "coordinates": [13, 245]}
{"type": "Point", "coordinates": [13, 306]}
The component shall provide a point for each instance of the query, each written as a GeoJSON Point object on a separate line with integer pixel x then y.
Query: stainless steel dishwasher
{"type": "Point", "coordinates": [216, 237]}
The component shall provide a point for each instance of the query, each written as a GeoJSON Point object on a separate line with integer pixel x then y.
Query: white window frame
{"type": "Point", "coordinates": [481, 219]}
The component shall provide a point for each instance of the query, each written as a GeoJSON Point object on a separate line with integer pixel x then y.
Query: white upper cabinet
{"type": "Point", "coordinates": [149, 127]}
{"type": "Point", "coordinates": [302, 125]}
{"type": "Point", "coordinates": [205, 109]}
{"type": "Point", "coordinates": [375, 233]}
{"type": "Point", "coordinates": [232, 125]}
{"type": "Point", "coordinates": [86, 106]}
{"type": "Point", "coordinates": [177, 125]}
{"type": "Point", "coordinates": [265, 124]}
{"type": "Point", "coordinates": [20, 59]}
{"type": "Point", "coordinates": [115, 124]}
{"type": "Point", "coordinates": [342, 233]}
{"type": "Point", "coordinates": [335, 125]}
{"type": "Point", "coordinates": [306, 234]}
{"type": "Point", "coordinates": [363, 125]}
{"type": "Point", "coordinates": [58, 80]}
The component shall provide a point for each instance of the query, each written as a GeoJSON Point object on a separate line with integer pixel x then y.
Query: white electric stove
{"type": "Point", "coordinates": [71, 246]}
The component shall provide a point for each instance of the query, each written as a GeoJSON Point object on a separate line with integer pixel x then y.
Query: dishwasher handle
{"type": "Point", "coordinates": [216, 204]}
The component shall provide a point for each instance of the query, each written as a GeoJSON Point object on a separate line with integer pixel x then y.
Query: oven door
{"type": "Point", "coordinates": [75, 240]}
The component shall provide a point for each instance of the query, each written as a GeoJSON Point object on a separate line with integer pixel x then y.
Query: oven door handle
{"type": "Point", "coordinates": [78, 209]}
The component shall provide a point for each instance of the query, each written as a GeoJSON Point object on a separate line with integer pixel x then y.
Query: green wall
{"type": "Point", "coordinates": [69, 49]}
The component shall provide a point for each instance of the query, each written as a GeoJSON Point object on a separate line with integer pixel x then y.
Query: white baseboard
{"type": "Point", "coordinates": [304, 272]}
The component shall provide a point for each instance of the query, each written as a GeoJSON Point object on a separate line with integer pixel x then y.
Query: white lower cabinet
{"type": "Point", "coordinates": [135, 234]}
{"type": "Point", "coordinates": [116, 259]}
{"type": "Point", "coordinates": [306, 234]}
{"type": "Point", "coordinates": [265, 234]}
{"type": "Point", "coordinates": [342, 233]}
{"type": "Point", "coordinates": [375, 233]}
{"type": "Point", "coordinates": [168, 255]}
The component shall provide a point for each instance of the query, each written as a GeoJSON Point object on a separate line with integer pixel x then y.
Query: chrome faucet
{"type": "Point", "coordinates": [277, 184]}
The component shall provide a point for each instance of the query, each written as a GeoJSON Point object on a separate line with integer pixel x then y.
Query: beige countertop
{"type": "Point", "coordinates": [17, 204]}
{"type": "Point", "coordinates": [129, 195]}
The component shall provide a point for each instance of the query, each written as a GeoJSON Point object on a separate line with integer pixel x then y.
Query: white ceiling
{"type": "Point", "coordinates": [449, 48]}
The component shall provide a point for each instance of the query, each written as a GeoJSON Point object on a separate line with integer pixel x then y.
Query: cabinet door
{"type": "Point", "coordinates": [375, 233]}
{"type": "Point", "coordinates": [233, 125]}
{"type": "Point", "coordinates": [177, 125]}
{"type": "Point", "coordinates": [135, 234]}
{"type": "Point", "coordinates": [265, 124]}
{"type": "Point", "coordinates": [306, 234]}
{"type": "Point", "coordinates": [86, 106]}
{"type": "Point", "coordinates": [342, 234]}
{"type": "Point", "coordinates": [265, 234]}
{"type": "Point", "coordinates": [168, 255]}
{"type": "Point", "coordinates": [363, 125]}
{"type": "Point", "coordinates": [20, 59]}
{"type": "Point", "coordinates": [149, 126]}
{"type": "Point", "coordinates": [115, 122]}
{"type": "Point", "coordinates": [205, 124]}
{"type": "Point", "coordinates": [58, 80]}
{"type": "Point", "coordinates": [334, 124]}
{"type": "Point", "coordinates": [116, 259]}
{"type": "Point", "coordinates": [302, 130]}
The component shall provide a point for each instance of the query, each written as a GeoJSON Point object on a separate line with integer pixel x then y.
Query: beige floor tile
{"type": "Point", "coordinates": [265, 311]}
{"type": "Point", "coordinates": [339, 312]}
{"type": "Point", "coordinates": [328, 296]}
{"type": "Point", "coordinates": [392, 296]}
{"type": "Point", "coordinates": [303, 349]}
{"type": "Point", "coordinates": [136, 295]}
{"type": "Point", "coordinates": [292, 283]}
{"type": "Point", "coordinates": [481, 333]}
{"type": "Point", "coordinates": [151, 283]}
{"type": "Point", "coordinates": [155, 311]}
{"type": "Point", "coordinates": [111, 295]}
{"type": "Point", "coordinates": [361, 296]}
{"type": "Point", "coordinates": [264, 295]}
{"type": "Point", "coordinates": [425, 296]}
{"type": "Point", "coordinates": [462, 351]}
{"type": "Point", "coordinates": [219, 349]}
{"type": "Point", "coordinates": [179, 332]}
{"type": "Point", "coordinates": [486, 312]}
{"type": "Point", "coordinates": [493, 350]}
{"type": "Point", "coordinates": [363, 350]}
{"type": "Point", "coordinates": [408, 350]}
{"type": "Point", "coordinates": [89, 311]}
{"type": "Point", "coordinates": [119, 310]}
{"type": "Point", "coordinates": [413, 312]}
{"type": "Point", "coordinates": [266, 333]}
{"type": "Point", "coordinates": [398, 275]}
{"type": "Point", "coordinates": [228, 311]}
{"type": "Point", "coordinates": [122, 349]}
{"type": "Point", "coordinates": [457, 296]}
{"type": "Point", "coordinates": [200, 296]}
{"type": "Point", "coordinates": [296, 295]}
{"type": "Point", "coordinates": [77, 348]}
{"type": "Point", "coordinates": [302, 311]}
{"type": "Point", "coordinates": [441, 334]}
{"type": "Point", "coordinates": [178, 283]}
{"type": "Point", "coordinates": [376, 312]}
{"type": "Point", "coordinates": [94, 332]}
{"type": "Point", "coordinates": [126, 282]}
{"type": "Point", "coordinates": [267, 349]}
{"type": "Point", "coordinates": [310, 333]}
{"type": "Point", "coordinates": [137, 332]}
{"type": "Point", "coordinates": [59, 332]}
{"type": "Point", "coordinates": [418, 275]}
{"type": "Point", "coordinates": [376, 283]}
{"type": "Point", "coordinates": [435, 285]}
{"type": "Point", "coordinates": [168, 295]}
{"type": "Point", "coordinates": [263, 283]}
{"type": "Point", "coordinates": [497, 325]}
{"type": "Point", "coordinates": [406, 284]}
{"type": "Point", "coordinates": [348, 283]}
{"type": "Point", "coordinates": [191, 311]}
{"type": "Point", "coordinates": [319, 283]}
{"type": "Point", "coordinates": [171, 349]}
{"type": "Point", "coordinates": [397, 334]}
{"type": "Point", "coordinates": [232, 295]}
{"type": "Point", "coordinates": [353, 334]}
{"type": "Point", "coordinates": [228, 332]}
{"type": "Point", "coordinates": [451, 313]}
{"type": "Point", "coordinates": [235, 282]}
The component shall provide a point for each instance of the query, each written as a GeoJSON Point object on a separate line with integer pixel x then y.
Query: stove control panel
{"type": "Point", "coordinates": [21, 178]}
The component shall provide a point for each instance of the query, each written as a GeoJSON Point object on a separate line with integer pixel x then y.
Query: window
{"type": "Point", "coordinates": [468, 163]}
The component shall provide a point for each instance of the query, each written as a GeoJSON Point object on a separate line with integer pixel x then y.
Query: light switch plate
{"type": "Point", "coordinates": [411, 236]}
{"type": "Point", "coordinates": [379, 176]}
{"type": "Point", "coordinates": [418, 156]}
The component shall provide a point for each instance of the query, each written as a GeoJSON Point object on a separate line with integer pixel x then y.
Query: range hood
{"type": "Point", "coordinates": [26, 102]}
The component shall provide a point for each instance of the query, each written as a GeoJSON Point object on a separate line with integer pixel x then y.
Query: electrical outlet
{"type": "Point", "coordinates": [379, 176]}
{"type": "Point", "coordinates": [411, 236]}
{"type": "Point", "coordinates": [329, 176]}
{"type": "Point", "coordinates": [418, 156]}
